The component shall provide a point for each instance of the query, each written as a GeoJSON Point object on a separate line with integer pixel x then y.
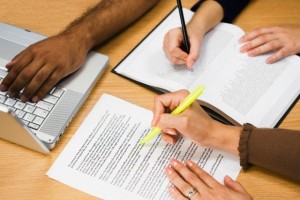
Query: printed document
{"type": "Point", "coordinates": [104, 157]}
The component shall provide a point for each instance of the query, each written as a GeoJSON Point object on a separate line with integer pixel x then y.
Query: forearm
{"type": "Point", "coordinates": [104, 20]}
{"type": "Point", "coordinates": [277, 150]}
{"type": "Point", "coordinates": [207, 16]}
{"type": "Point", "coordinates": [231, 8]}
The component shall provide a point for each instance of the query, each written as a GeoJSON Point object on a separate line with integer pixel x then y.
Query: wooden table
{"type": "Point", "coordinates": [22, 172]}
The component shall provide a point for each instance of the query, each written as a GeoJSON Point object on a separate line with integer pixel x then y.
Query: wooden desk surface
{"type": "Point", "coordinates": [22, 172]}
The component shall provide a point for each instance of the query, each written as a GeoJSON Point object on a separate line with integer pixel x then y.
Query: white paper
{"type": "Point", "coordinates": [104, 158]}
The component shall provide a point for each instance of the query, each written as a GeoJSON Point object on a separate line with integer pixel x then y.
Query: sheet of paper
{"type": "Point", "coordinates": [104, 158]}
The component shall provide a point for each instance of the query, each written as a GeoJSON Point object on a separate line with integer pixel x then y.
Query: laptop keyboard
{"type": "Point", "coordinates": [32, 114]}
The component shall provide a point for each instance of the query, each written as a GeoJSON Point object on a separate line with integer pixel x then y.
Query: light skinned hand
{"type": "Point", "coordinates": [193, 123]}
{"type": "Point", "coordinates": [184, 177]}
{"type": "Point", "coordinates": [282, 40]}
{"type": "Point", "coordinates": [40, 66]}
{"type": "Point", "coordinates": [171, 45]}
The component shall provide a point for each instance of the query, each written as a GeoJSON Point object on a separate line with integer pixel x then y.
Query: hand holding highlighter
{"type": "Point", "coordinates": [182, 106]}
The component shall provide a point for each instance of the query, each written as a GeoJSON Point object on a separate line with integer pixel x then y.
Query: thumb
{"type": "Point", "coordinates": [234, 185]}
{"type": "Point", "coordinates": [194, 54]}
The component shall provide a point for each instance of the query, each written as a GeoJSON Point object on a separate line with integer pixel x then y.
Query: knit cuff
{"type": "Point", "coordinates": [243, 145]}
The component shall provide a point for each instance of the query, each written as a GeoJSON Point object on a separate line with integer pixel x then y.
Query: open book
{"type": "Point", "coordinates": [239, 88]}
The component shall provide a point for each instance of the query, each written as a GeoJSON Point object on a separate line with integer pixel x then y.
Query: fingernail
{"type": "Point", "coordinates": [172, 188]}
{"type": "Point", "coordinates": [241, 40]}
{"type": "Point", "coordinates": [169, 171]}
{"type": "Point", "coordinates": [35, 99]}
{"type": "Point", "coordinates": [171, 132]}
{"type": "Point", "coordinates": [243, 49]}
{"type": "Point", "coordinates": [251, 53]}
{"type": "Point", "coordinates": [11, 94]}
{"type": "Point", "coordinates": [228, 178]}
{"type": "Point", "coordinates": [3, 88]}
{"type": "Point", "coordinates": [23, 98]}
{"type": "Point", "coordinates": [192, 64]}
{"type": "Point", "coordinates": [189, 163]}
{"type": "Point", "coordinates": [174, 163]}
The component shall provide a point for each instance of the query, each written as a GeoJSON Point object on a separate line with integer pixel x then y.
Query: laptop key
{"type": "Point", "coordinates": [38, 120]}
{"type": "Point", "coordinates": [10, 102]}
{"type": "Point", "coordinates": [29, 117]}
{"type": "Point", "coordinates": [33, 126]}
{"type": "Point", "coordinates": [29, 108]}
{"type": "Point", "coordinates": [20, 105]}
{"type": "Point", "coordinates": [2, 99]}
{"type": "Point", "coordinates": [41, 112]}
{"type": "Point", "coordinates": [44, 105]}
{"type": "Point", "coordinates": [51, 99]}
{"type": "Point", "coordinates": [20, 113]}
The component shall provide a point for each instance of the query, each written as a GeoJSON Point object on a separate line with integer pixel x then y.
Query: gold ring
{"type": "Point", "coordinates": [191, 192]}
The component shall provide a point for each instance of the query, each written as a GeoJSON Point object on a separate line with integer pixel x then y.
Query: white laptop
{"type": "Point", "coordinates": [39, 126]}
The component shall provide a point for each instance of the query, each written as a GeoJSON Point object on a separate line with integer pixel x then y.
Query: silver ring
{"type": "Point", "coordinates": [191, 192]}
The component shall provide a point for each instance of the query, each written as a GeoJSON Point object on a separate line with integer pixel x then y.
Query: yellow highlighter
{"type": "Point", "coordinates": [182, 106]}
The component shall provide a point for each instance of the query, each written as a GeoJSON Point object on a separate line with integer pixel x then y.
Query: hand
{"type": "Point", "coordinates": [283, 40]}
{"type": "Point", "coordinates": [40, 66]}
{"type": "Point", "coordinates": [191, 176]}
{"type": "Point", "coordinates": [172, 42]}
{"type": "Point", "coordinates": [193, 123]}
{"type": "Point", "coordinates": [190, 123]}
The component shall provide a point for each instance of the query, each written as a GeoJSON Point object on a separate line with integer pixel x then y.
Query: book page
{"type": "Point", "coordinates": [148, 63]}
{"type": "Point", "coordinates": [240, 88]}
{"type": "Point", "coordinates": [104, 158]}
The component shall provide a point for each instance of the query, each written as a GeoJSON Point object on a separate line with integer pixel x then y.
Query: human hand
{"type": "Point", "coordinates": [191, 182]}
{"type": "Point", "coordinates": [283, 40]}
{"type": "Point", "coordinates": [193, 123]}
{"type": "Point", "coordinates": [172, 42]}
{"type": "Point", "coordinates": [40, 66]}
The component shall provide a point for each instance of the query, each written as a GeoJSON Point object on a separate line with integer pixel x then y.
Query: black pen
{"type": "Point", "coordinates": [186, 46]}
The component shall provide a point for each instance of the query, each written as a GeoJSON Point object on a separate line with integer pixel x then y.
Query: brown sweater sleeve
{"type": "Point", "coordinates": [277, 150]}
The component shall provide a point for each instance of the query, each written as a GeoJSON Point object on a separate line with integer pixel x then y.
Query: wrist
{"type": "Point", "coordinates": [77, 37]}
{"type": "Point", "coordinates": [226, 137]}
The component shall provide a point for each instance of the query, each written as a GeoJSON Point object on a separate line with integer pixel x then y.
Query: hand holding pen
{"type": "Point", "coordinates": [179, 46]}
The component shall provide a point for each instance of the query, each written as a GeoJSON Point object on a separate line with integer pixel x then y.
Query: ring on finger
{"type": "Point", "coordinates": [191, 192]}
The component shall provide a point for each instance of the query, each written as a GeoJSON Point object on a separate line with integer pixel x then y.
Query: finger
{"type": "Point", "coordinates": [169, 135]}
{"type": "Point", "coordinates": [176, 194]}
{"type": "Point", "coordinates": [171, 46]}
{"type": "Point", "coordinates": [267, 47]}
{"type": "Point", "coordinates": [188, 176]}
{"type": "Point", "coordinates": [177, 61]}
{"type": "Point", "coordinates": [24, 77]}
{"type": "Point", "coordinates": [168, 138]}
{"type": "Point", "coordinates": [204, 176]}
{"type": "Point", "coordinates": [40, 84]}
{"type": "Point", "coordinates": [16, 59]}
{"type": "Point", "coordinates": [167, 102]}
{"type": "Point", "coordinates": [182, 186]}
{"type": "Point", "coordinates": [47, 86]}
{"type": "Point", "coordinates": [234, 185]}
{"type": "Point", "coordinates": [266, 39]}
{"type": "Point", "coordinates": [194, 54]}
{"type": "Point", "coordinates": [282, 53]}
{"type": "Point", "coordinates": [14, 70]}
{"type": "Point", "coordinates": [253, 34]}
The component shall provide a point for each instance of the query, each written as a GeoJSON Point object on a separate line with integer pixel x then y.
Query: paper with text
{"type": "Point", "coordinates": [104, 158]}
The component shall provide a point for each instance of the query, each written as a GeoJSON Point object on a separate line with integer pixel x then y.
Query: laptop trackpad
{"type": "Point", "coordinates": [8, 50]}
